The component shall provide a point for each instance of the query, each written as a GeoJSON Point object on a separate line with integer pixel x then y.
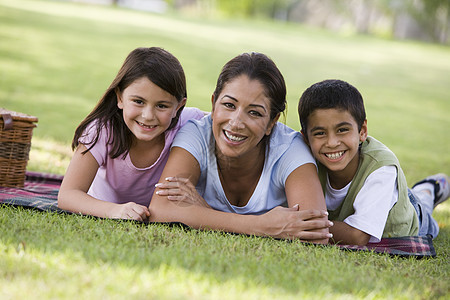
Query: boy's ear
{"type": "Point", "coordinates": [305, 137]}
{"type": "Point", "coordinates": [363, 132]}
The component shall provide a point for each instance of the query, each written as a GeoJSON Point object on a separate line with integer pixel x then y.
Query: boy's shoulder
{"type": "Point", "coordinates": [377, 151]}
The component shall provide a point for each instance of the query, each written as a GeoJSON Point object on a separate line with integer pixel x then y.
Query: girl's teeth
{"type": "Point", "coordinates": [233, 138]}
{"type": "Point", "coordinates": [334, 155]}
{"type": "Point", "coordinates": [147, 126]}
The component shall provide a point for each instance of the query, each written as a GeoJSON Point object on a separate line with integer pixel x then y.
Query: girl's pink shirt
{"type": "Point", "coordinates": [118, 180]}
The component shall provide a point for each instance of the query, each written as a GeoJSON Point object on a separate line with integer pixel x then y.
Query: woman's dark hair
{"type": "Point", "coordinates": [158, 66]}
{"type": "Point", "coordinates": [256, 66]}
{"type": "Point", "coordinates": [331, 94]}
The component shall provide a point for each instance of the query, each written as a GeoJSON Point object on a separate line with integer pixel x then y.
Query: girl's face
{"type": "Point", "coordinates": [241, 117]}
{"type": "Point", "coordinates": [147, 109]}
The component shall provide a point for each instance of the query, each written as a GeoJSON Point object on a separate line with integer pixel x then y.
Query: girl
{"type": "Point", "coordinates": [245, 165]}
{"type": "Point", "coordinates": [122, 146]}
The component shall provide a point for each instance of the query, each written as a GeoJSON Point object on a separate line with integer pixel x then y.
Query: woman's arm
{"type": "Point", "coordinates": [303, 188]}
{"type": "Point", "coordinates": [279, 222]}
{"type": "Point", "coordinates": [73, 192]}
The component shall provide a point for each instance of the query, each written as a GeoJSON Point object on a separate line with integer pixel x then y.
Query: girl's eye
{"type": "Point", "coordinates": [162, 106]}
{"type": "Point", "coordinates": [138, 101]}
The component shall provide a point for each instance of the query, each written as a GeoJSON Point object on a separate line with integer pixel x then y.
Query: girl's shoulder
{"type": "Point", "coordinates": [94, 131]}
{"type": "Point", "coordinates": [190, 113]}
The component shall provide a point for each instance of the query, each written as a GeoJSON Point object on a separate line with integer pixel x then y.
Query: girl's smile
{"type": "Point", "coordinates": [147, 109]}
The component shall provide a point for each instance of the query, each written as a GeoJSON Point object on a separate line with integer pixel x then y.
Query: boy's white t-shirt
{"type": "Point", "coordinates": [372, 204]}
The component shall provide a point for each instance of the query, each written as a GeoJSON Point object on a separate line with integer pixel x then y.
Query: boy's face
{"type": "Point", "coordinates": [334, 139]}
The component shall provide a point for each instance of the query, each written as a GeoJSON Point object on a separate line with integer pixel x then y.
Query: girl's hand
{"type": "Point", "coordinates": [130, 211]}
{"type": "Point", "coordinates": [291, 223]}
{"type": "Point", "coordinates": [182, 191]}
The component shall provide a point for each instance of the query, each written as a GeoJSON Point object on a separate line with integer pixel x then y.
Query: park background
{"type": "Point", "coordinates": [58, 57]}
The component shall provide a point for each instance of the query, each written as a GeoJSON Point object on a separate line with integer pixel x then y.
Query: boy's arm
{"type": "Point", "coordinates": [372, 205]}
{"type": "Point", "coordinates": [348, 235]}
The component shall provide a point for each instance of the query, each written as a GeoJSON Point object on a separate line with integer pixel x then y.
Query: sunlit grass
{"type": "Point", "coordinates": [56, 60]}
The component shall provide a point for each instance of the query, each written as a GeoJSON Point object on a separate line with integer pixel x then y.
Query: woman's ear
{"type": "Point", "coordinates": [119, 98]}
{"type": "Point", "coordinates": [213, 101]}
{"type": "Point", "coordinates": [272, 123]}
{"type": "Point", "coordinates": [363, 132]}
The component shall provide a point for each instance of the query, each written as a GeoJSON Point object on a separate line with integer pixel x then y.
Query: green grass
{"type": "Point", "coordinates": [56, 60]}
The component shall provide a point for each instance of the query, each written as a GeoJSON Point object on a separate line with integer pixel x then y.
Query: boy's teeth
{"type": "Point", "coordinates": [233, 138]}
{"type": "Point", "coordinates": [335, 155]}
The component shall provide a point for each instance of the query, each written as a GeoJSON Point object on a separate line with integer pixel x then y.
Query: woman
{"type": "Point", "coordinates": [245, 164]}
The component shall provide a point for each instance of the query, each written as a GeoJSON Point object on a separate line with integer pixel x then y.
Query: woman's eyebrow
{"type": "Point", "coordinates": [252, 105]}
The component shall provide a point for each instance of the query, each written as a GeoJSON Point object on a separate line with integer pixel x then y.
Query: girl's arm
{"type": "Point", "coordinates": [73, 192]}
{"type": "Point", "coordinates": [303, 189]}
{"type": "Point", "coordinates": [279, 222]}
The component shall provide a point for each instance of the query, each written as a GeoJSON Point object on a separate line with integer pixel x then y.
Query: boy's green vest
{"type": "Point", "coordinates": [402, 219]}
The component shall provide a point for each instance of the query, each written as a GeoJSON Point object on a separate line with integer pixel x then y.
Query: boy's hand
{"type": "Point", "coordinates": [130, 211]}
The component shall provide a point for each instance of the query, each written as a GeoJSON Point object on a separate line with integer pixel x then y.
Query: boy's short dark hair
{"type": "Point", "coordinates": [331, 94]}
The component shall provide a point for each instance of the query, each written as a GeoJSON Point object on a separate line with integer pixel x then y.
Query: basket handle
{"type": "Point", "coordinates": [7, 121]}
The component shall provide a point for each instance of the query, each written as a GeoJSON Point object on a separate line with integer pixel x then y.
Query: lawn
{"type": "Point", "coordinates": [56, 60]}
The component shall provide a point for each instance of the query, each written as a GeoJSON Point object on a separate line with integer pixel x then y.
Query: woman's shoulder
{"type": "Point", "coordinates": [283, 134]}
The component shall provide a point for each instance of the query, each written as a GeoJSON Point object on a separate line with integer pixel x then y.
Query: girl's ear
{"type": "Point", "coordinates": [272, 123]}
{"type": "Point", "coordinates": [363, 132]}
{"type": "Point", "coordinates": [119, 98]}
{"type": "Point", "coordinates": [181, 104]}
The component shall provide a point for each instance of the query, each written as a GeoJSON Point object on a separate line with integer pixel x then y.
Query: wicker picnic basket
{"type": "Point", "coordinates": [16, 130]}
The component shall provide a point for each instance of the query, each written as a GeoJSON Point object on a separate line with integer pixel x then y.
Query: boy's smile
{"type": "Point", "coordinates": [334, 139]}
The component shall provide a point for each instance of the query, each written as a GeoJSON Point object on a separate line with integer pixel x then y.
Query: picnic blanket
{"type": "Point", "coordinates": [41, 192]}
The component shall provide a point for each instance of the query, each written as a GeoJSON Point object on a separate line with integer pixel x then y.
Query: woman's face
{"type": "Point", "coordinates": [241, 117]}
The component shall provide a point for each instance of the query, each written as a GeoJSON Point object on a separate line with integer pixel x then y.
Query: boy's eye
{"type": "Point", "coordinates": [319, 133]}
{"type": "Point", "coordinates": [341, 130]}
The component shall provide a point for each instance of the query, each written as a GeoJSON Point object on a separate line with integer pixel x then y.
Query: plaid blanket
{"type": "Point", "coordinates": [41, 192]}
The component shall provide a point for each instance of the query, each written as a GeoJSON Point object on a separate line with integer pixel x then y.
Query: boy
{"type": "Point", "coordinates": [365, 189]}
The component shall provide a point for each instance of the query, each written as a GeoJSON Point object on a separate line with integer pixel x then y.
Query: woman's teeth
{"type": "Point", "coordinates": [233, 138]}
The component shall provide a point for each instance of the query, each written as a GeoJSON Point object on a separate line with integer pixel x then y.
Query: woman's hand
{"type": "Point", "coordinates": [181, 191]}
{"type": "Point", "coordinates": [130, 211]}
{"type": "Point", "coordinates": [290, 223]}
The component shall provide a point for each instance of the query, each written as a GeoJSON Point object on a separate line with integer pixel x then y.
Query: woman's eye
{"type": "Point", "coordinates": [228, 105]}
{"type": "Point", "coordinates": [255, 113]}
